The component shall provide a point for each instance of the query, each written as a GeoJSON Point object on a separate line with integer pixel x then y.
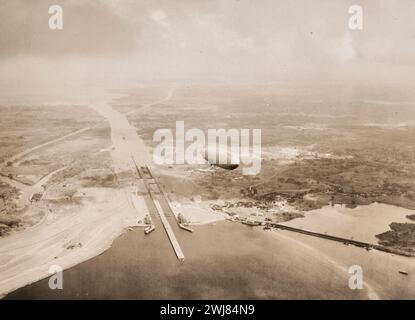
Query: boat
{"type": "Point", "coordinates": [149, 229]}
{"type": "Point", "coordinates": [251, 223]}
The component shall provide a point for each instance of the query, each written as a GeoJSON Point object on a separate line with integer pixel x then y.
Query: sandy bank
{"type": "Point", "coordinates": [197, 213]}
{"type": "Point", "coordinates": [27, 256]}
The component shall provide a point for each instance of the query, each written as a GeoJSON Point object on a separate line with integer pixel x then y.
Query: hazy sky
{"type": "Point", "coordinates": [127, 40]}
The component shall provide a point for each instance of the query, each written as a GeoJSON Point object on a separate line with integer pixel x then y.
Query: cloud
{"type": "Point", "coordinates": [344, 49]}
{"type": "Point", "coordinates": [90, 27]}
{"type": "Point", "coordinates": [160, 18]}
{"type": "Point", "coordinates": [238, 39]}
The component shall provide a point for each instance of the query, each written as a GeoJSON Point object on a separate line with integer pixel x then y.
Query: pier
{"type": "Point", "coordinates": [159, 206]}
{"type": "Point", "coordinates": [360, 244]}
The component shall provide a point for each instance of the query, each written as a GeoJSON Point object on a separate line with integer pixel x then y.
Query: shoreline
{"type": "Point", "coordinates": [315, 247]}
{"type": "Point", "coordinates": [99, 223]}
{"type": "Point", "coordinates": [94, 225]}
{"type": "Point", "coordinates": [36, 249]}
{"type": "Point", "coordinates": [241, 248]}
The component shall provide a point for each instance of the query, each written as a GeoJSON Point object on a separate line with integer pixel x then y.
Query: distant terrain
{"type": "Point", "coordinates": [319, 148]}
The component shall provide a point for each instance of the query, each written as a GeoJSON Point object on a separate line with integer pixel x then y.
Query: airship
{"type": "Point", "coordinates": [220, 157]}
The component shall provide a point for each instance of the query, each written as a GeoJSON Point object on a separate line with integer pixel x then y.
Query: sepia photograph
{"type": "Point", "coordinates": [227, 150]}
